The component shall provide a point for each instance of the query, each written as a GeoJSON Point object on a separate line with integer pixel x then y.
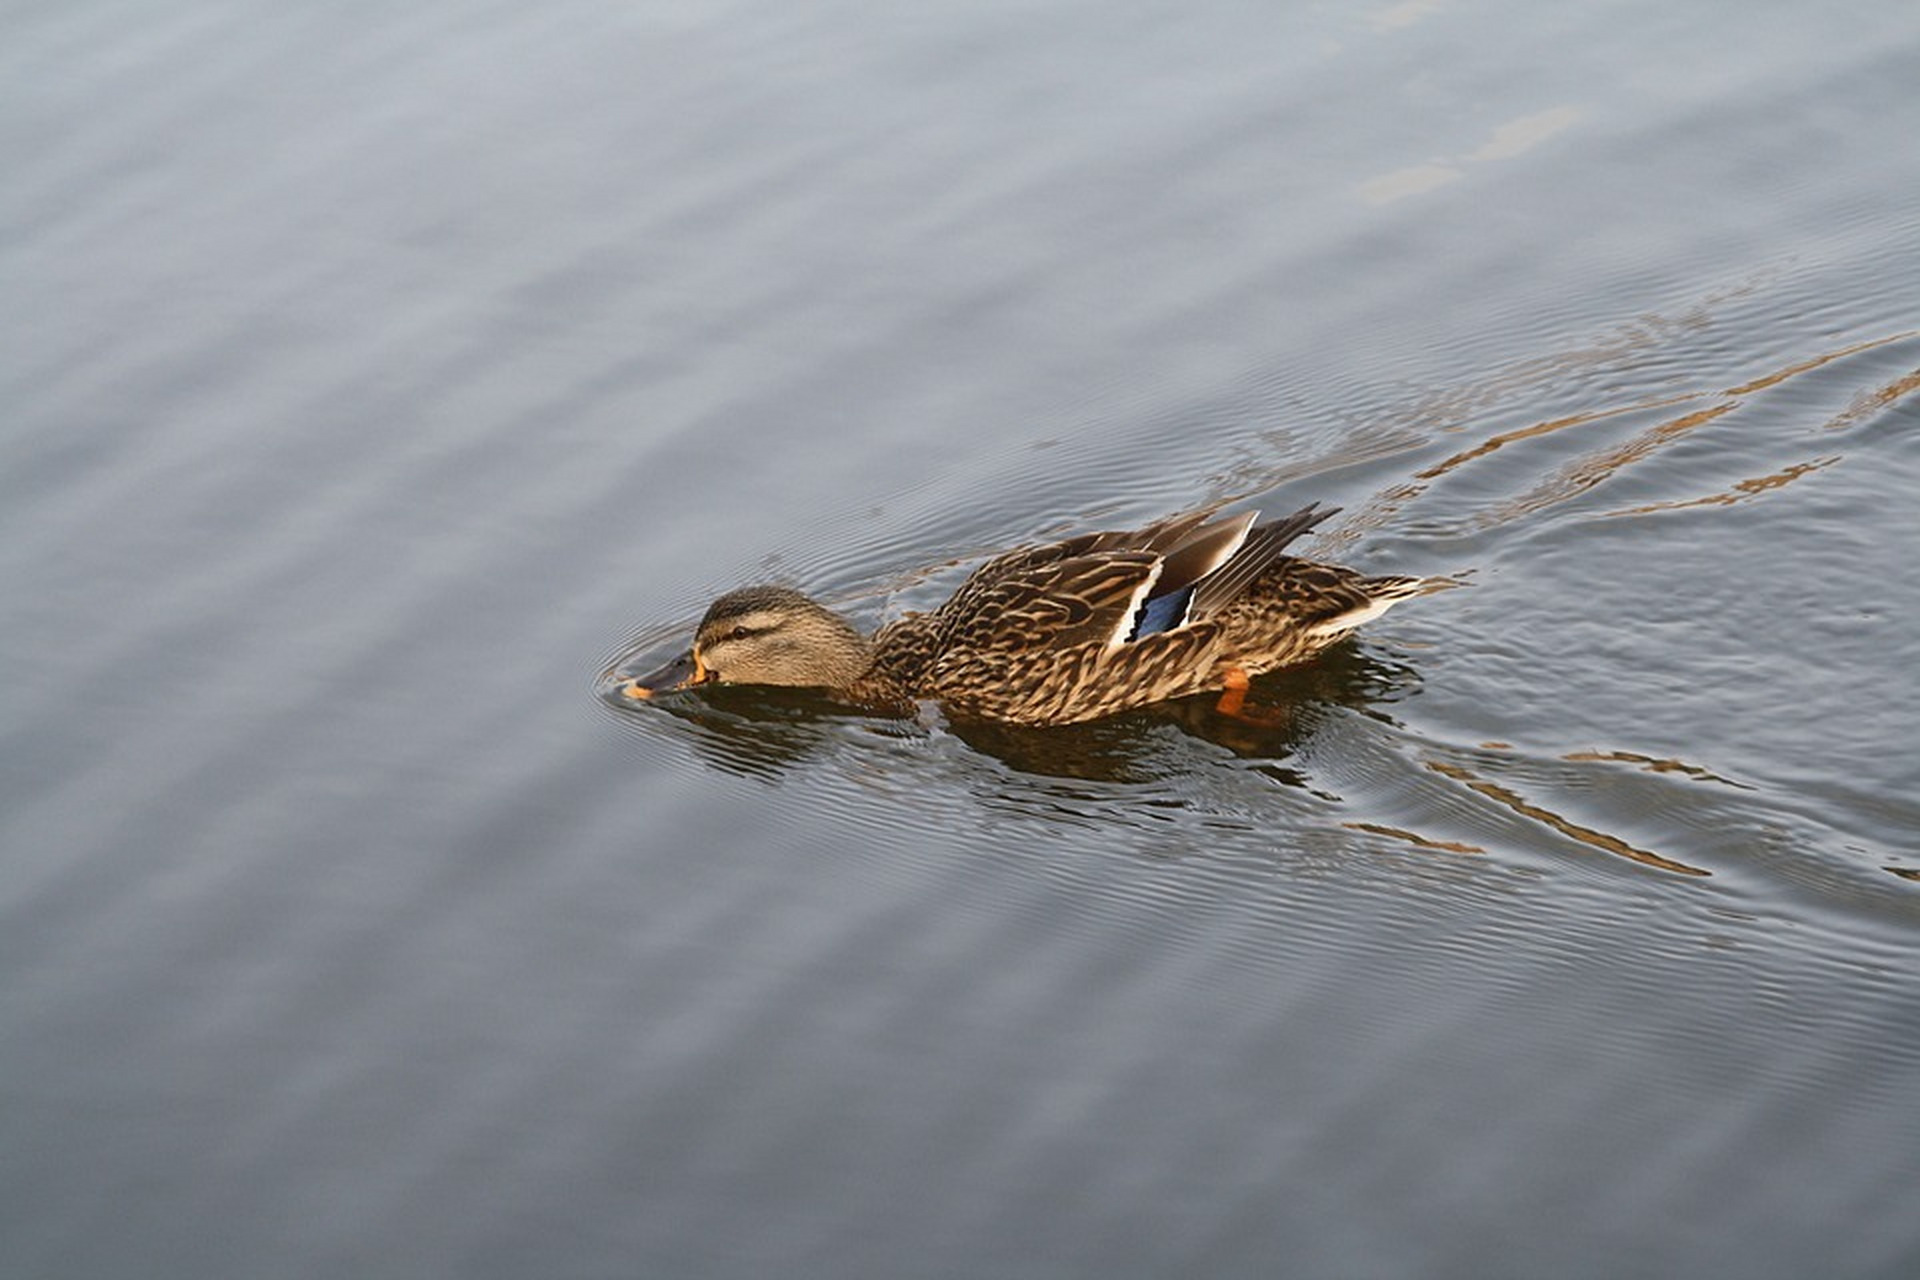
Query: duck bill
{"type": "Point", "coordinates": [685, 670]}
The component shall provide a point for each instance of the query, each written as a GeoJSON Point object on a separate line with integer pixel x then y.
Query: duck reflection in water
{"type": "Point", "coordinates": [764, 732]}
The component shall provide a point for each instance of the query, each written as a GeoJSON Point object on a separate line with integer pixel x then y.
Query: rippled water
{"type": "Point", "coordinates": [374, 377]}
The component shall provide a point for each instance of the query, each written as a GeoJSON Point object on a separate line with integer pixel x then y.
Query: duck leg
{"type": "Point", "coordinates": [1234, 696]}
{"type": "Point", "coordinates": [1263, 719]}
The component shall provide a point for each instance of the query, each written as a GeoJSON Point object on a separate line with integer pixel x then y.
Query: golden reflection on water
{"type": "Point", "coordinates": [1740, 491]}
{"type": "Point", "coordinates": [1879, 398]}
{"type": "Point", "coordinates": [1572, 830]}
{"type": "Point", "coordinates": [1597, 468]}
{"type": "Point", "coordinates": [1588, 472]}
{"type": "Point", "coordinates": [1617, 347]}
{"type": "Point", "coordinates": [1808, 365]}
{"type": "Point", "coordinates": [1414, 838]}
{"type": "Point", "coordinates": [1653, 765]}
{"type": "Point", "coordinates": [1505, 438]}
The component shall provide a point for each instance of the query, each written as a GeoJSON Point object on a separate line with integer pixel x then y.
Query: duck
{"type": "Point", "coordinates": [1060, 633]}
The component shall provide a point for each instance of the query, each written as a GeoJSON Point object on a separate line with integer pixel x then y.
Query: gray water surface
{"type": "Point", "coordinates": [374, 376]}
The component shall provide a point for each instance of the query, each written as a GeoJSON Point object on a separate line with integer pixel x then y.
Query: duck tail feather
{"type": "Point", "coordinates": [1261, 548]}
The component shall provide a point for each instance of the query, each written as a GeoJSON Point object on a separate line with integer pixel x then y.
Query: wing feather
{"type": "Point", "coordinates": [1066, 602]}
{"type": "Point", "coordinates": [1262, 547]}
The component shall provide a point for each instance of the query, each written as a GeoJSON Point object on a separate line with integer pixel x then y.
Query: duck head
{"type": "Point", "coordinates": [765, 636]}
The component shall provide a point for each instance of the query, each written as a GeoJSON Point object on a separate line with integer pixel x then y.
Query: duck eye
{"type": "Point", "coordinates": [738, 633]}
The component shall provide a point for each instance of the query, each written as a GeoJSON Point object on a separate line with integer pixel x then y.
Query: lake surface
{"type": "Point", "coordinates": [376, 376]}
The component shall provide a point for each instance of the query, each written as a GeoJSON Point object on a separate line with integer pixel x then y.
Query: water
{"type": "Point", "coordinates": [374, 378]}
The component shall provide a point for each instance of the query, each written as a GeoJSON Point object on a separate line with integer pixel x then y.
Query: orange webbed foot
{"type": "Point", "coordinates": [1234, 696]}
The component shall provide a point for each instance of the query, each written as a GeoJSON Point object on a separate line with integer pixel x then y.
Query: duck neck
{"type": "Point", "coordinates": [850, 657]}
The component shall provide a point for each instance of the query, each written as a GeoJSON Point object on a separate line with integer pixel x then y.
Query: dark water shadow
{"type": "Point", "coordinates": [755, 732]}
{"type": "Point", "coordinates": [765, 732]}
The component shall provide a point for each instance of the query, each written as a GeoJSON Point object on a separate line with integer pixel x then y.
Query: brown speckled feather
{"type": "Point", "coordinates": [1084, 627]}
{"type": "Point", "coordinates": [1029, 637]}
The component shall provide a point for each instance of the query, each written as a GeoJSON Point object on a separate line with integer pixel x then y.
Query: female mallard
{"type": "Point", "coordinates": [1070, 631]}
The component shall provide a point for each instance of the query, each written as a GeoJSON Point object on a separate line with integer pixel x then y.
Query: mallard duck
{"type": "Point", "coordinates": [1054, 634]}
